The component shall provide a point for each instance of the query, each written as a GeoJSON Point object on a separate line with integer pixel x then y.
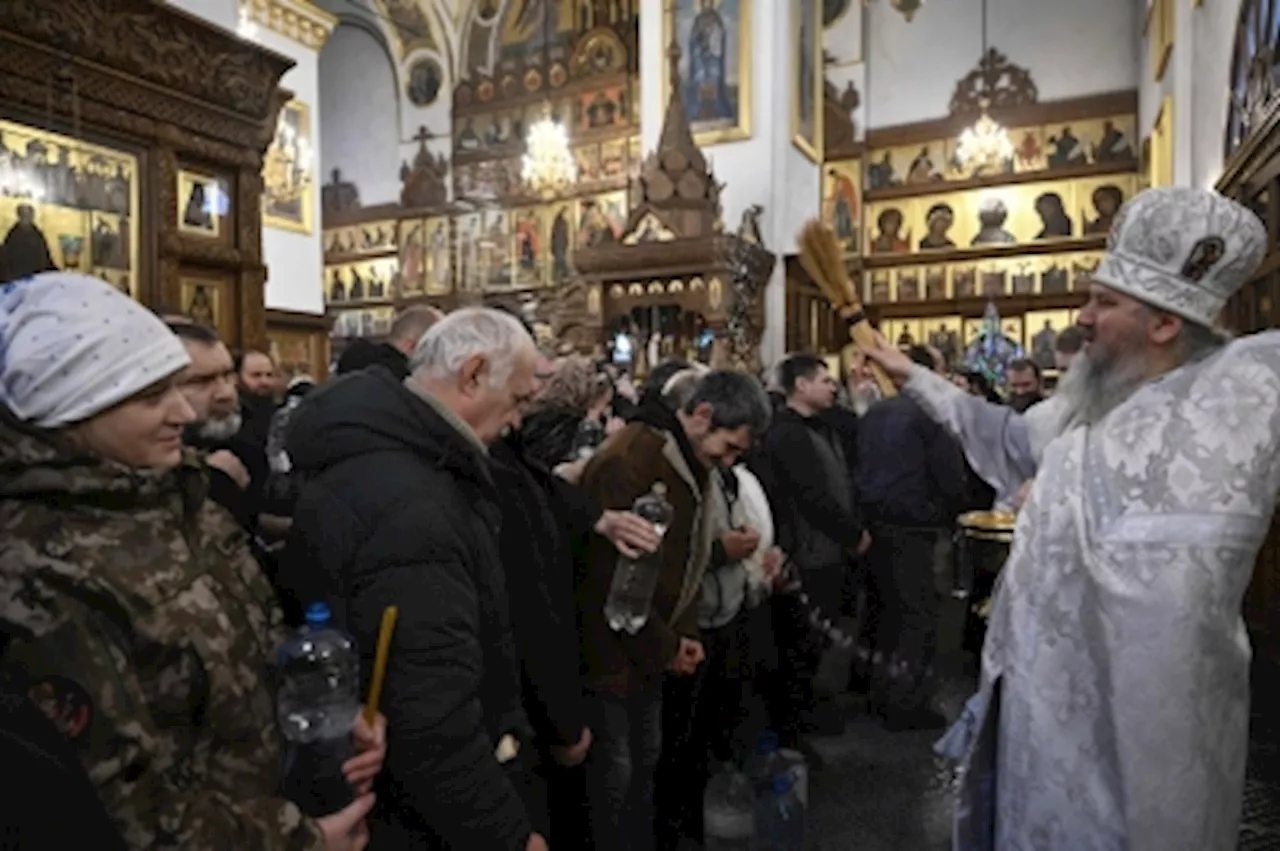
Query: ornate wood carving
{"type": "Point", "coordinates": [177, 92]}
{"type": "Point", "coordinates": [996, 81]}
{"type": "Point", "coordinates": [426, 183]}
{"type": "Point", "coordinates": [299, 20]}
{"type": "Point", "coordinates": [840, 133]}
{"type": "Point", "coordinates": [338, 196]}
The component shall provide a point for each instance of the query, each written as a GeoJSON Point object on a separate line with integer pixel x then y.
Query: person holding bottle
{"type": "Point", "coordinates": [131, 612]}
{"type": "Point", "coordinates": [624, 670]}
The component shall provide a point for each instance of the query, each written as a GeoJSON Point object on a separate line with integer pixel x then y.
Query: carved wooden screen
{"type": "Point", "coordinates": [1254, 70]}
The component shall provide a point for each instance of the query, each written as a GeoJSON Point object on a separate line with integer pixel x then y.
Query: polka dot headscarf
{"type": "Point", "coordinates": [72, 346]}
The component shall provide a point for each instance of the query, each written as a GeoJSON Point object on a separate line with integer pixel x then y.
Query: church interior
{"type": "Point", "coordinates": [293, 173]}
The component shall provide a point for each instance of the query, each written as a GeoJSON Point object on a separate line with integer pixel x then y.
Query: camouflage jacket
{"type": "Point", "coordinates": [137, 620]}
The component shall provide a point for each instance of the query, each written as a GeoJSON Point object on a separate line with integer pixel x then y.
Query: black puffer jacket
{"type": "Point", "coordinates": [399, 508]}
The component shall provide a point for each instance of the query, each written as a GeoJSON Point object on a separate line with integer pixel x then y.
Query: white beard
{"type": "Point", "coordinates": [1091, 389]}
{"type": "Point", "coordinates": [222, 428]}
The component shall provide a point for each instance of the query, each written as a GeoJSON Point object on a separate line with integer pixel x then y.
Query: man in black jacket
{"type": "Point", "coordinates": [803, 467]}
{"type": "Point", "coordinates": [406, 331]}
{"type": "Point", "coordinates": [912, 483]}
{"type": "Point", "coordinates": [400, 508]}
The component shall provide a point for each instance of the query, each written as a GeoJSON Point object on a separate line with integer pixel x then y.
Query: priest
{"type": "Point", "coordinates": [1114, 703]}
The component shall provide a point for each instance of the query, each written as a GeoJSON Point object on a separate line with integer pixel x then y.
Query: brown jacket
{"type": "Point", "coordinates": [625, 467]}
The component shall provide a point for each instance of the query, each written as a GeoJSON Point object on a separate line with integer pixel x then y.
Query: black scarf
{"type": "Point", "coordinates": [655, 413]}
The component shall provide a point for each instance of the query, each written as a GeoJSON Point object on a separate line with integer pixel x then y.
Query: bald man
{"type": "Point", "coordinates": [394, 354]}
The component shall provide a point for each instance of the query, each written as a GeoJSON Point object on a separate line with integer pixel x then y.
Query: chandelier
{"type": "Point", "coordinates": [548, 165]}
{"type": "Point", "coordinates": [984, 146]}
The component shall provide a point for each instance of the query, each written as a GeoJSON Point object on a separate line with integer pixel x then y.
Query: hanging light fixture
{"type": "Point", "coordinates": [986, 145]}
{"type": "Point", "coordinates": [548, 166]}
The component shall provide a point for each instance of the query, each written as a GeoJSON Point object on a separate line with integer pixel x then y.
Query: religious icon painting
{"type": "Point", "coordinates": [807, 79]}
{"type": "Point", "coordinates": [635, 156]}
{"type": "Point", "coordinates": [413, 256]}
{"type": "Point", "coordinates": [1012, 327]}
{"type": "Point", "coordinates": [496, 248]}
{"type": "Point", "coordinates": [1055, 276]}
{"type": "Point", "coordinates": [335, 286]}
{"type": "Point", "coordinates": [438, 252]}
{"type": "Point", "coordinates": [890, 226]}
{"type": "Point", "coordinates": [943, 333]}
{"type": "Point", "coordinates": [467, 261]}
{"type": "Point", "coordinates": [383, 278]}
{"type": "Point", "coordinates": [603, 108]}
{"type": "Point", "coordinates": [202, 300]}
{"type": "Point", "coordinates": [530, 247]}
{"type": "Point", "coordinates": [878, 290]}
{"type": "Point", "coordinates": [935, 283]}
{"type": "Point", "coordinates": [1055, 211]}
{"type": "Point", "coordinates": [998, 217]}
{"type": "Point", "coordinates": [972, 330]}
{"type": "Point", "coordinates": [613, 205]}
{"type": "Point", "coordinates": [203, 204]}
{"type": "Point", "coordinates": [715, 67]}
{"type": "Point", "coordinates": [1042, 330]}
{"type": "Point", "coordinates": [1024, 272]}
{"type": "Point", "coordinates": [288, 192]}
{"type": "Point", "coordinates": [946, 223]}
{"type": "Point", "coordinates": [882, 170]}
{"type": "Point", "coordinates": [1082, 268]}
{"type": "Point", "coordinates": [560, 236]}
{"type": "Point", "coordinates": [993, 279]}
{"type": "Point", "coordinates": [842, 202]}
{"type": "Point", "coordinates": [613, 159]}
{"type": "Point", "coordinates": [1028, 149]}
{"type": "Point", "coordinates": [908, 281]}
{"type": "Point", "coordinates": [964, 280]}
{"type": "Point", "coordinates": [1099, 199]}
{"type": "Point", "coordinates": [921, 164]}
{"type": "Point", "coordinates": [903, 333]}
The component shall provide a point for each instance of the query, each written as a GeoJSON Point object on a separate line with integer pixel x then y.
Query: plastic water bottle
{"type": "Point", "coordinates": [780, 817]}
{"type": "Point", "coordinates": [277, 455]}
{"type": "Point", "coordinates": [316, 707]}
{"type": "Point", "coordinates": [634, 580]}
{"type": "Point", "coordinates": [770, 760]}
{"type": "Point", "coordinates": [728, 812]}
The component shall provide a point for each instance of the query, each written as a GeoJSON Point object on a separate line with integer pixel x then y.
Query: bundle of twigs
{"type": "Point", "coordinates": [821, 258]}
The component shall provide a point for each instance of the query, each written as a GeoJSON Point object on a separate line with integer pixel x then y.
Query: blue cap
{"type": "Point", "coordinates": [318, 614]}
{"type": "Point", "coordinates": [782, 783]}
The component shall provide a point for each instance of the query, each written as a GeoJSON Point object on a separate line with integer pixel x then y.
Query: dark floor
{"type": "Point", "coordinates": [888, 792]}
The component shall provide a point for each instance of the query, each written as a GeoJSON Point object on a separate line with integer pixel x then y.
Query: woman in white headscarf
{"type": "Point", "coordinates": [130, 609]}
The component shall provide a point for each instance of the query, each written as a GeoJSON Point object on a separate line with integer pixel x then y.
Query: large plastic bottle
{"type": "Point", "coordinates": [316, 707]}
{"type": "Point", "coordinates": [780, 817]}
{"type": "Point", "coordinates": [631, 594]}
{"type": "Point", "coordinates": [728, 812]}
{"type": "Point", "coordinates": [770, 760]}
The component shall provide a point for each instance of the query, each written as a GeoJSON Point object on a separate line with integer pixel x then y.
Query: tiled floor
{"type": "Point", "coordinates": [888, 792]}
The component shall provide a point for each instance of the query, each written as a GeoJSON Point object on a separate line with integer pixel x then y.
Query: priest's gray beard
{"type": "Point", "coordinates": [1094, 386]}
{"type": "Point", "coordinates": [220, 428]}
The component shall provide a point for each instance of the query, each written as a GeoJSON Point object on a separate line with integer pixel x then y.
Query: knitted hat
{"type": "Point", "coordinates": [73, 346]}
{"type": "Point", "coordinates": [1185, 251]}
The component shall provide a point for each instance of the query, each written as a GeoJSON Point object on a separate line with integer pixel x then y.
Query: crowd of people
{"type": "Point", "coordinates": [170, 509]}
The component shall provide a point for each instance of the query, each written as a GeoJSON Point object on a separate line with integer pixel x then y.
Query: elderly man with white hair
{"type": "Point", "coordinates": [399, 508]}
{"type": "Point", "coordinates": [1114, 704]}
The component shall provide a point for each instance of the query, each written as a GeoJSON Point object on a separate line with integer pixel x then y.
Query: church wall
{"type": "Point", "coordinates": [224, 13]}
{"type": "Point", "coordinates": [295, 266]}
{"type": "Point", "coordinates": [1213, 43]}
{"type": "Point", "coordinates": [359, 99]}
{"type": "Point", "coordinates": [1071, 49]}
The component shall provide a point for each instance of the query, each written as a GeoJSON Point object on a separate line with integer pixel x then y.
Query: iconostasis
{"type": "Point", "coordinates": [573, 62]}
{"type": "Point", "coordinates": [933, 240]}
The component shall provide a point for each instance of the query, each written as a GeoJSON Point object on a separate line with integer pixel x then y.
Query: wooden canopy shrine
{"type": "Point", "coordinates": [674, 272]}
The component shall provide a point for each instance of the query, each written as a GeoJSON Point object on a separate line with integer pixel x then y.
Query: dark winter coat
{"type": "Point", "coordinates": [399, 508]}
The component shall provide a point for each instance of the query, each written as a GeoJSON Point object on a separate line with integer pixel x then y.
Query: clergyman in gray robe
{"type": "Point", "coordinates": [1114, 702]}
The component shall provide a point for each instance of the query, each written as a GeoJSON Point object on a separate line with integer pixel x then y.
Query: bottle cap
{"type": "Point", "coordinates": [659, 488]}
{"type": "Point", "coordinates": [318, 614]}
